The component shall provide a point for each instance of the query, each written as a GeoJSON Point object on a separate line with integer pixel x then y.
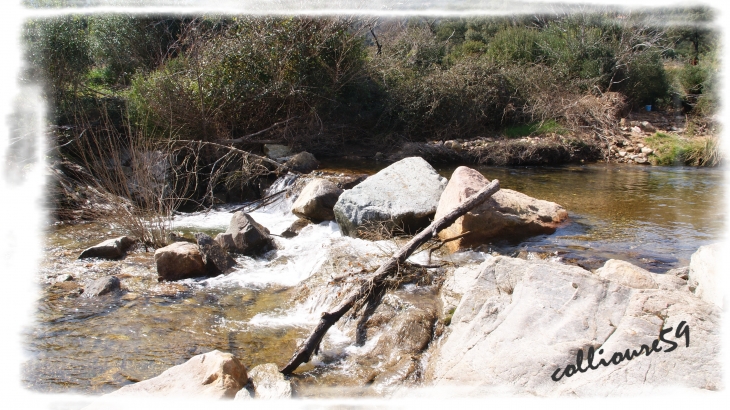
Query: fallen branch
{"type": "Point", "coordinates": [311, 345]}
{"type": "Point", "coordinates": [444, 242]}
{"type": "Point", "coordinates": [247, 138]}
{"type": "Point", "coordinates": [279, 167]}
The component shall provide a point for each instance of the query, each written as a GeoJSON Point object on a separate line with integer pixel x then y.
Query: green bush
{"type": "Point", "coordinates": [252, 74]}
{"type": "Point", "coordinates": [58, 54]}
{"type": "Point", "coordinates": [124, 44]}
{"type": "Point", "coordinates": [646, 81]}
{"type": "Point", "coordinates": [674, 150]}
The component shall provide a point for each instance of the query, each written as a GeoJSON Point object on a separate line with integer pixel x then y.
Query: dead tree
{"type": "Point", "coordinates": [311, 345]}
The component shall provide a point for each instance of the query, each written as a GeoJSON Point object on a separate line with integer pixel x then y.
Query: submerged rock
{"type": "Point", "coordinates": [109, 249]}
{"type": "Point", "coordinates": [268, 383]}
{"type": "Point", "coordinates": [294, 229]}
{"type": "Point", "coordinates": [102, 286]}
{"type": "Point", "coordinates": [316, 201]}
{"type": "Point", "coordinates": [404, 194]}
{"type": "Point", "coordinates": [704, 273]}
{"type": "Point", "coordinates": [507, 213]}
{"type": "Point", "coordinates": [245, 236]}
{"type": "Point", "coordinates": [303, 162]}
{"type": "Point", "coordinates": [213, 375]}
{"type": "Point", "coordinates": [216, 259]}
{"type": "Point", "coordinates": [520, 323]}
{"type": "Point", "coordinates": [179, 260]}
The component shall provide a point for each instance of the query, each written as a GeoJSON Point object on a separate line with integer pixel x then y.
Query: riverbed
{"type": "Point", "coordinates": [654, 217]}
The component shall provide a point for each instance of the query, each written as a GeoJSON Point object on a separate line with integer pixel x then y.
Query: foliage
{"type": "Point", "coordinates": [58, 55]}
{"type": "Point", "coordinates": [123, 44]}
{"type": "Point", "coordinates": [538, 128]}
{"type": "Point", "coordinates": [671, 149]}
{"type": "Point", "coordinates": [251, 73]}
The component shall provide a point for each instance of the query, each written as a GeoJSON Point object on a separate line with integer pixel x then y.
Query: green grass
{"type": "Point", "coordinates": [538, 128]}
{"type": "Point", "coordinates": [674, 150]}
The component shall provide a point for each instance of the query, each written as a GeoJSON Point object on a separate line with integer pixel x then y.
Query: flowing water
{"type": "Point", "coordinates": [654, 217]}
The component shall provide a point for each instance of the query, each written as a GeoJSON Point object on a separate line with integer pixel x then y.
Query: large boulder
{"type": "Point", "coordinates": [244, 235]}
{"type": "Point", "coordinates": [269, 383]}
{"type": "Point", "coordinates": [303, 162]}
{"type": "Point", "coordinates": [405, 194]}
{"type": "Point", "coordinates": [216, 259]}
{"type": "Point", "coordinates": [316, 201]}
{"type": "Point", "coordinates": [519, 325]}
{"type": "Point", "coordinates": [102, 286]}
{"type": "Point", "coordinates": [179, 260]}
{"type": "Point", "coordinates": [109, 249]}
{"type": "Point", "coordinates": [212, 375]}
{"type": "Point", "coordinates": [507, 213]}
{"type": "Point", "coordinates": [704, 274]}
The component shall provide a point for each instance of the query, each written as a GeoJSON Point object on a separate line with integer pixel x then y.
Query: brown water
{"type": "Point", "coordinates": [652, 216]}
{"type": "Point", "coordinates": [655, 217]}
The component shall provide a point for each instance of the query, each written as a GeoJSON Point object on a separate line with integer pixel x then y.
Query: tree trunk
{"type": "Point", "coordinates": [311, 345]}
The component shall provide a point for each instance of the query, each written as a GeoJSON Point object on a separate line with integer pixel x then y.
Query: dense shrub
{"type": "Point", "coordinates": [250, 75]}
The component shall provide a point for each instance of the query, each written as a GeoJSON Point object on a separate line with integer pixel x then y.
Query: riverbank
{"type": "Point", "coordinates": [641, 137]}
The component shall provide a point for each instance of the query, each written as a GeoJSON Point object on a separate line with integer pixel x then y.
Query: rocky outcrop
{"type": "Point", "coordinates": [404, 194]}
{"type": "Point", "coordinates": [215, 258]}
{"type": "Point", "coordinates": [179, 260]}
{"type": "Point", "coordinates": [269, 383]}
{"type": "Point", "coordinates": [630, 275]}
{"type": "Point", "coordinates": [109, 249]}
{"type": "Point", "coordinates": [245, 236]}
{"type": "Point", "coordinates": [102, 286]}
{"type": "Point", "coordinates": [506, 214]}
{"type": "Point", "coordinates": [303, 162]}
{"type": "Point", "coordinates": [704, 274]}
{"type": "Point", "coordinates": [316, 201]}
{"type": "Point", "coordinates": [518, 324]}
{"type": "Point", "coordinates": [212, 375]}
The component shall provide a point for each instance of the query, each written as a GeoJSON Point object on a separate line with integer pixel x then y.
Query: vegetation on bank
{"type": "Point", "coordinates": [324, 81]}
{"type": "Point", "coordinates": [175, 94]}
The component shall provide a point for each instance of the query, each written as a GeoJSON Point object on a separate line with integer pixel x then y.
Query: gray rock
{"type": "Point", "coordinates": [405, 193]}
{"type": "Point", "coordinates": [516, 322]}
{"type": "Point", "coordinates": [303, 162]}
{"type": "Point", "coordinates": [646, 126]}
{"type": "Point", "coordinates": [212, 375]}
{"type": "Point", "coordinates": [245, 236]}
{"type": "Point", "coordinates": [243, 394]}
{"type": "Point", "coordinates": [102, 286]}
{"type": "Point", "coordinates": [179, 260]}
{"type": "Point", "coordinates": [704, 273]}
{"type": "Point", "coordinates": [109, 249]}
{"type": "Point", "coordinates": [216, 259]}
{"type": "Point", "coordinates": [276, 151]}
{"type": "Point", "coordinates": [316, 201]}
{"type": "Point", "coordinates": [269, 383]}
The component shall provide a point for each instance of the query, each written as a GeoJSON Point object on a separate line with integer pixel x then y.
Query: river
{"type": "Point", "coordinates": [654, 217]}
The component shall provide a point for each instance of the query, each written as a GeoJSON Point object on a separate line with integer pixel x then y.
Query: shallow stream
{"type": "Point", "coordinates": [654, 217]}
